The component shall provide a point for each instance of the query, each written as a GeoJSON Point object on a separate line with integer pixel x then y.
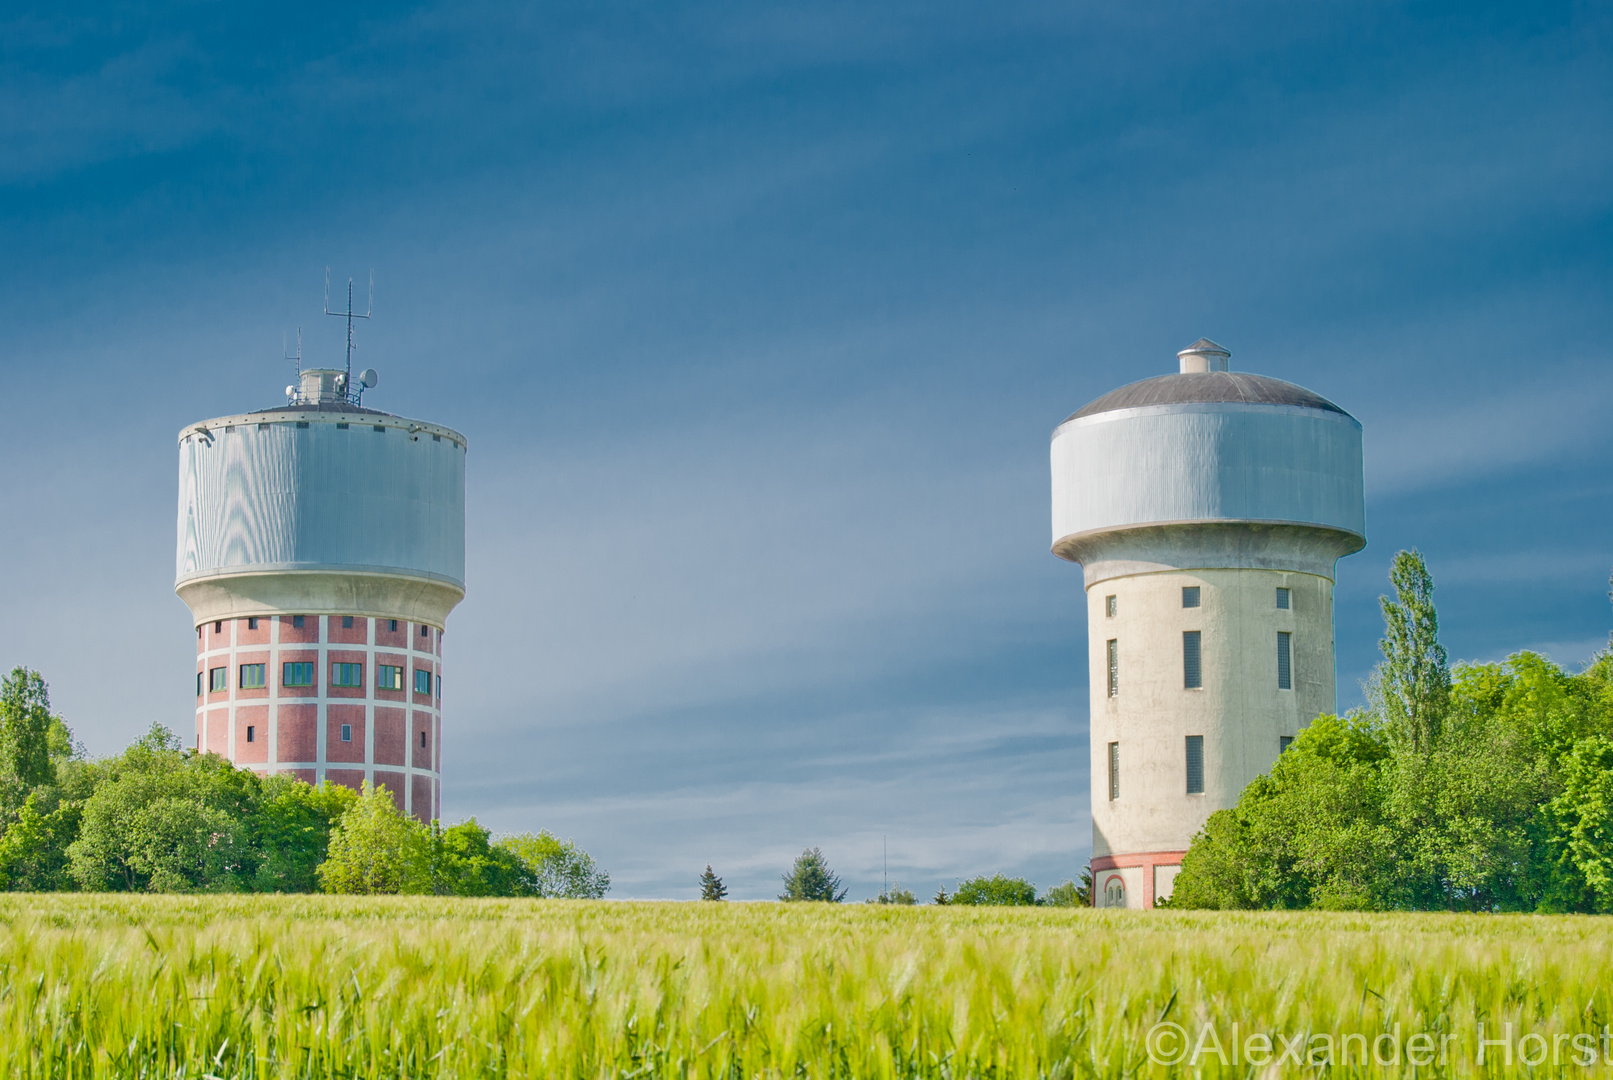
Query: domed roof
{"type": "Point", "coordinates": [1206, 387]}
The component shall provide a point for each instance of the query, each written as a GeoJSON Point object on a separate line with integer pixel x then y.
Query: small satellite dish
{"type": "Point", "coordinates": [291, 391]}
{"type": "Point", "coordinates": [369, 378]}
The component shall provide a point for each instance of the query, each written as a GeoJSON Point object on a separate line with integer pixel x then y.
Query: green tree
{"type": "Point", "coordinates": [376, 848]}
{"type": "Point", "coordinates": [162, 820]}
{"type": "Point", "coordinates": [466, 863]}
{"type": "Point", "coordinates": [26, 729]}
{"type": "Point", "coordinates": [895, 894]}
{"type": "Point", "coordinates": [811, 879]}
{"type": "Point", "coordinates": [941, 899]}
{"type": "Point", "coordinates": [995, 891]}
{"type": "Point", "coordinates": [557, 869]}
{"type": "Point", "coordinates": [711, 886]}
{"type": "Point", "coordinates": [1411, 688]}
{"type": "Point", "coordinates": [1071, 893]}
{"type": "Point", "coordinates": [291, 832]}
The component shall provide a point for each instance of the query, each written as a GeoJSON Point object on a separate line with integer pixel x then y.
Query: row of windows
{"type": "Point", "coordinates": [1193, 661]}
{"type": "Point", "coordinates": [347, 734]}
{"type": "Point", "coordinates": [1194, 754]}
{"type": "Point", "coordinates": [1191, 598]}
{"type": "Point", "coordinates": [298, 622]}
{"type": "Point", "coordinates": [301, 673]}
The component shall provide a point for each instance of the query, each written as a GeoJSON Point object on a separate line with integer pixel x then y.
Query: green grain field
{"type": "Point", "coordinates": [101, 986]}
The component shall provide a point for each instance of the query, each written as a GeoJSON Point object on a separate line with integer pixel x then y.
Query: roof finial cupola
{"type": "Point", "coordinates": [1203, 355]}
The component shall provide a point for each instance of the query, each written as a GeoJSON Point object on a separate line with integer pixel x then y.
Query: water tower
{"type": "Point", "coordinates": [1208, 509]}
{"type": "Point", "coordinates": [321, 548]}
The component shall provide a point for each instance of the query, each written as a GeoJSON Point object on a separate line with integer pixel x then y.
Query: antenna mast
{"type": "Point", "coordinates": [349, 315]}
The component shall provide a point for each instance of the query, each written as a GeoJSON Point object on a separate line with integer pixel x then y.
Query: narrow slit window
{"type": "Point", "coordinates": [1192, 668]}
{"type": "Point", "coordinates": [1195, 764]}
{"type": "Point", "coordinates": [1114, 667]}
{"type": "Point", "coordinates": [1109, 607]}
{"type": "Point", "coordinates": [1114, 771]}
{"type": "Point", "coordinates": [251, 733]}
{"type": "Point", "coordinates": [1285, 660]}
{"type": "Point", "coordinates": [1190, 596]}
{"type": "Point", "coordinates": [218, 628]}
{"type": "Point", "coordinates": [392, 625]}
{"type": "Point", "coordinates": [252, 624]}
{"type": "Point", "coordinates": [347, 733]}
{"type": "Point", "coordinates": [422, 740]}
{"type": "Point", "coordinates": [1282, 599]}
{"type": "Point", "coordinates": [425, 631]}
{"type": "Point", "coordinates": [198, 684]}
{"type": "Point", "coordinates": [1284, 742]}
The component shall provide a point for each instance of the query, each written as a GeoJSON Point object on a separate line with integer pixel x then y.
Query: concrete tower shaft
{"type": "Point", "coordinates": [1207, 509]}
{"type": "Point", "coordinates": [321, 547]}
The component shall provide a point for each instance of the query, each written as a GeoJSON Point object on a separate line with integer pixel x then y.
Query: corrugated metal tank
{"type": "Point", "coordinates": [302, 490]}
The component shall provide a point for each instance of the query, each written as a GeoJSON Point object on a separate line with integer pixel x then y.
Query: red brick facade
{"type": "Point", "coordinates": [298, 729]}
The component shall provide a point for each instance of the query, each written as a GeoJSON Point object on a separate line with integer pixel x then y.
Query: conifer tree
{"type": "Point", "coordinates": [711, 886]}
{"type": "Point", "coordinates": [1412, 687]}
{"type": "Point", "coordinates": [811, 879]}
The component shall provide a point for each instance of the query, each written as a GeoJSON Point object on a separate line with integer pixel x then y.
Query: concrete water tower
{"type": "Point", "coordinates": [321, 548]}
{"type": "Point", "coordinates": [1207, 509]}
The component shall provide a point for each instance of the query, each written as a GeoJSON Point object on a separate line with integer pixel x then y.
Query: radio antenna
{"type": "Point", "coordinates": [349, 315]}
{"type": "Point", "coordinates": [294, 359]}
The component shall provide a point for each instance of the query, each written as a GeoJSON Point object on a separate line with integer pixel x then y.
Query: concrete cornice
{"type": "Point", "coordinates": [1208, 545]}
{"type": "Point", "coordinates": [319, 592]}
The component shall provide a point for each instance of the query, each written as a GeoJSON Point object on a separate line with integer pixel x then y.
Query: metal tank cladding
{"type": "Point", "coordinates": [1207, 447]}
{"type": "Point", "coordinates": [1208, 509]}
{"type": "Point", "coordinates": [289, 495]}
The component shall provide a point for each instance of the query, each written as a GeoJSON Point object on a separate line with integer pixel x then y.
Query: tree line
{"type": "Point", "coordinates": [811, 880]}
{"type": "Point", "coordinates": [1483, 787]}
{"type": "Point", "coordinates": [159, 818]}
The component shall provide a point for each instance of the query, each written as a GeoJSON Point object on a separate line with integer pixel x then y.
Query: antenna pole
{"type": "Point", "coordinates": [885, 847]}
{"type": "Point", "coordinates": [349, 315]}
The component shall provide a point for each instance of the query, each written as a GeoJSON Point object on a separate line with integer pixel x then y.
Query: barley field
{"type": "Point", "coordinates": [104, 986]}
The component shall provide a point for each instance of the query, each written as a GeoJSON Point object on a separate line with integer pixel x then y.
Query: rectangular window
{"type": "Point", "coordinates": [1195, 764]}
{"type": "Point", "coordinates": [252, 624]}
{"type": "Point", "coordinates": [392, 625]}
{"type": "Point", "coordinates": [1190, 596]}
{"type": "Point", "coordinates": [1282, 599]}
{"type": "Point", "coordinates": [1109, 607]}
{"type": "Point", "coordinates": [380, 428]}
{"type": "Point", "coordinates": [218, 628]}
{"type": "Point", "coordinates": [347, 733]}
{"type": "Point", "coordinates": [388, 677]}
{"type": "Point", "coordinates": [422, 740]}
{"type": "Point", "coordinates": [439, 686]}
{"type": "Point", "coordinates": [347, 674]}
{"type": "Point", "coordinates": [296, 621]}
{"type": "Point", "coordinates": [1285, 667]}
{"type": "Point", "coordinates": [424, 632]}
{"type": "Point", "coordinates": [347, 622]}
{"type": "Point", "coordinates": [1114, 771]}
{"type": "Point", "coordinates": [1114, 668]}
{"type": "Point", "coordinates": [1284, 742]}
{"type": "Point", "coordinates": [1192, 670]}
{"type": "Point", "coordinates": [253, 677]}
{"type": "Point", "coordinates": [198, 684]}
{"type": "Point", "coordinates": [218, 679]}
{"type": "Point", "coordinates": [298, 674]}
{"type": "Point", "coordinates": [251, 733]}
{"type": "Point", "coordinates": [341, 427]}
{"type": "Point", "coordinates": [422, 681]}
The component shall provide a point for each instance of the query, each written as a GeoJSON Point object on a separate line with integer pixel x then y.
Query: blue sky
{"type": "Point", "coordinates": [758, 319]}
